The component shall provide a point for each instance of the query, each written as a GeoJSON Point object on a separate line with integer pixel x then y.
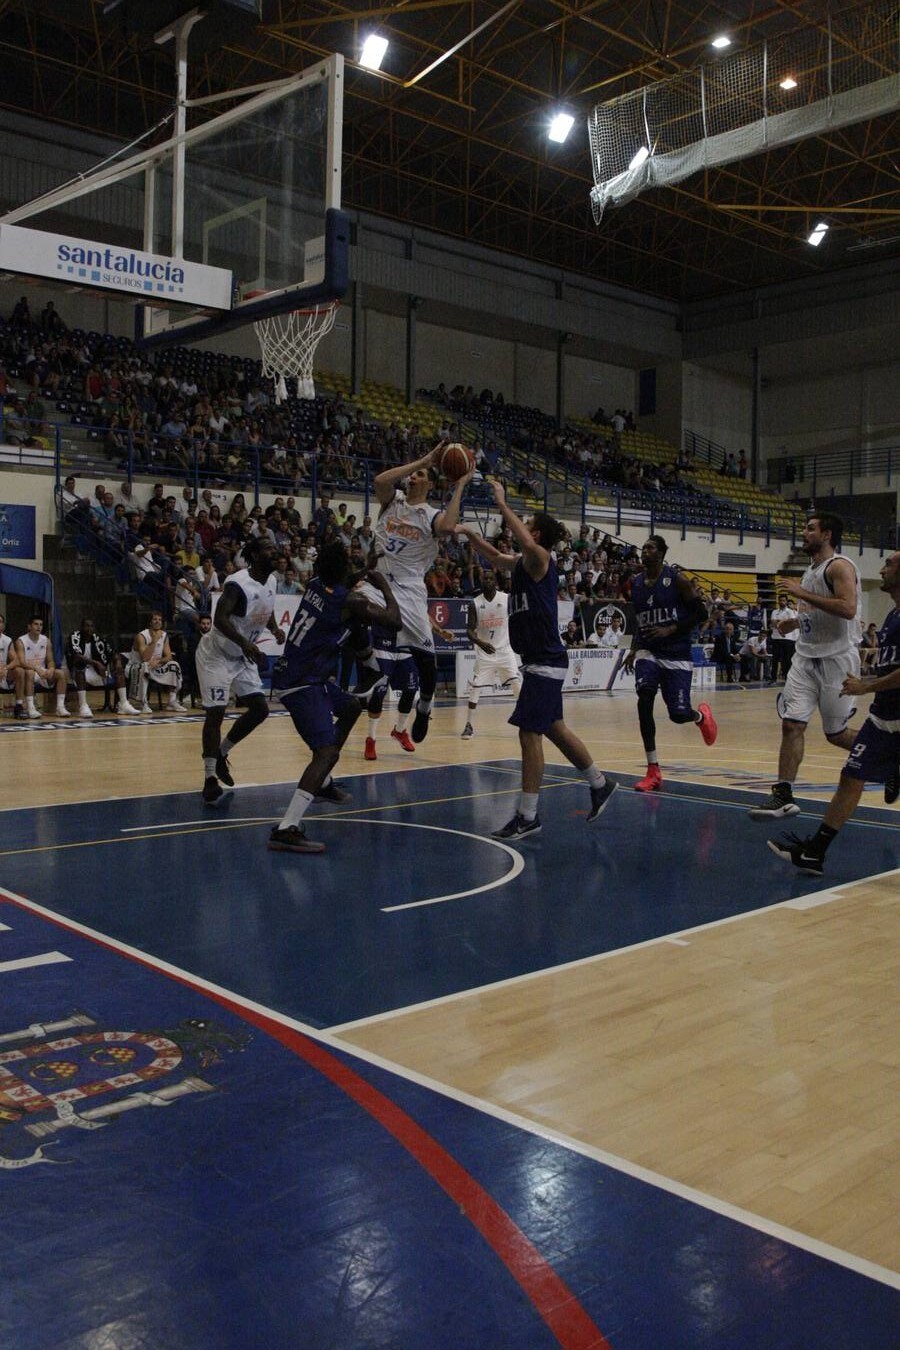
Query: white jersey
{"type": "Point", "coordinates": [260, 606]}
{"type": "Point", "coordinates": [5, 645]}
{"type": "Point", "coordinates": [35, 651]}
{"type": "Point", "coordinates": [781, 615]}
{"type": "Point", "coordinates": [492, 622]}
{"type": "Point", "coordinates": [824, 634]}
{"type": "Point", "coordinates": [405, 535]}
{"type": "Point", "coordinates": [156, 644]}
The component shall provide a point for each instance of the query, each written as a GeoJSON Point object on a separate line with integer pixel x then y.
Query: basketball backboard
{"type": "Point", "coordinates": [253, 193]}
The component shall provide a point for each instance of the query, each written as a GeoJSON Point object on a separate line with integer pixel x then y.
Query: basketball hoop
{"type": "Point", "coordinates": [287, 344]}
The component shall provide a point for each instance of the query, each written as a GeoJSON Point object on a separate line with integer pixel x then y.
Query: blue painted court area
{"type": "Point", "coordinates": [368, 927]}
{"type": "Point", "coordinates": [185, 1173]}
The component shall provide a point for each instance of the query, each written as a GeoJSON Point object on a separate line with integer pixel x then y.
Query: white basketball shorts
{"type": "Point", "coordinates": [815, 682]}
{"type": "Point", "coordinates": [220, 676]}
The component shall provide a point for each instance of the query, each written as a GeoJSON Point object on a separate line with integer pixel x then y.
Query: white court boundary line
{"type": "Point", "coordinates": [859, 1265]}
{"type": "Point", "coordinates": [679, 938]}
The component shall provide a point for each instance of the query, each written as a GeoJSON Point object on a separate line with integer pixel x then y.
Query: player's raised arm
{"type": "Point", "coordinates": [481, 546]}
{"type": "Point", "coordinates": [448, 519]}
{"type": "Point", "coordinates": [385, 483]}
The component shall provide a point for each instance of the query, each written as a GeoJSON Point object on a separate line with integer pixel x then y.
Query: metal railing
{"type": "Point", "coordinates": [816, 469]}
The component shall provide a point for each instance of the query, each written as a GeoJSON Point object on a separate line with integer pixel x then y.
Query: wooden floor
{"type": "Point", "coordinates": [755, 1060]}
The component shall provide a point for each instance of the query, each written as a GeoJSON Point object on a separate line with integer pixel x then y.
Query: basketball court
{"type": "Point", "coordinates": [623, 1085]}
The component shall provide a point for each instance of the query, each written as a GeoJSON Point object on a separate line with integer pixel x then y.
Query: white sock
{"type": "Point", "coordinates": [528, 804]}
{"type": "Point", "coordinates": [652, 757]}
{"type": "Point", "coordinates": [225, 748]}
{"type": "Point", "coordinates": [122, 696]}
{"type": "Point", "coordinates": [60, 705]}
{"type": "Point", "coordinates": [29, 704]}
{"type": "Point", "coordinates": [373, 728]}
{"type": "Point", "coordinates": [402, 721]}
{"type": "Point", "coordinates": [209, 766]}
{"type": "Point", "coordinates": [595, 776]}
{"type": "Point", "coordinates": [297, 809]}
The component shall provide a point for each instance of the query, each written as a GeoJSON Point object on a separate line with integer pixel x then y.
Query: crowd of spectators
{"type": "Point", "coordinates": [150, 412]}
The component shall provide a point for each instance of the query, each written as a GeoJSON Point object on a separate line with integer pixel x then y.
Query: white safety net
{"type": "Point", "coordinates": [844, 70]}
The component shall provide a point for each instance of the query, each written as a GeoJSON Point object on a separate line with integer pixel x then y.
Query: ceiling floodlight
{"type": "Point", "coordinates": [721, 41]}
{"type": "Point", "coordinates": [373, 52]}
{"type": "Point", "coordinates": [639, 156]}
{"type": "Point", "coordinates": [818, 234]}
{"type": "Point", "coordinates": [560, 127]}
{"type": "Point", "coordinates": [788, 82]}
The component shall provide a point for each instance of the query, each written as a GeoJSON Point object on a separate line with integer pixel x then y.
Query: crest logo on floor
{"type": "Point", "coordinates": [58, 1079]}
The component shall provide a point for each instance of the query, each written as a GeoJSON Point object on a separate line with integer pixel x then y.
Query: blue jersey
{"type": "Point", "coordinates": [315, 637]}
{"type": "Point", "coordinates": [886, 704]}
{"type": "Point", "coordinates": [657, 603]}
{"type": "Point", "coordinates": [533, 618]}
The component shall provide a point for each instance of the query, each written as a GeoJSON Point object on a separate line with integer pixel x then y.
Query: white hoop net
{"type": "Point", "coordinates": [287, 344]}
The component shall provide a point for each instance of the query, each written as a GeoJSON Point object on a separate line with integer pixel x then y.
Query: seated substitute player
{"type": "Point", "coordinates": [534, 634]}
{"type": "Point", "coordinates": [150, 661]}
{"type": "Point", "coordinates": [406, 536]}
{"type": "Point", "coordinates": [322, 712]}
{"type": "Point", "coordinates": [7, 663]}
{"type": "Point", "coordinates": [92, 661]}
{"type": "Point", "coordinates": [666, 609]}
{"type": "Point", "coordinates": [36, 669]}
{"type": "Point", "coordinates": [875, 756]}
{"type": "Point", "coordinates": [487, 628]}
{"type": "Point", "coordinates": [228, 661]}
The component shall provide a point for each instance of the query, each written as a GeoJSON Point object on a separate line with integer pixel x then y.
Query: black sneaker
{"type": "Point", "coordinates": [467, 731]}
{"type": "Point", "coordinates": [372, 684]}
{"type": "Point", "coordinates": [213, 792]}
{"type": "Point", "coordinates": [892, 787]}
{"type": "Point", "coordinates": [599, 798]}
{"type": "Point", "coordinates": [19, 712]}
{"type": "Point", "coordinates": [333, 793]}
{"type": "Point", "coordinates": [797, 851]}
{"type": "Point", "coordinates": [779, 803]}
{"type": "Point", "coordinates": [518, 828]}
{"type": "Point", "coordinates": [293, 840]}
{"type": "Point", "coordinates": [420, 726]}
{"type": "Point", "coordinates": [223, 770]}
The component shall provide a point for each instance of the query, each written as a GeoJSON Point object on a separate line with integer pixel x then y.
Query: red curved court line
{"type": "Point", "coordinates": [552, 1298]}
{"type": "Point", "coordinates": [550, 1295]}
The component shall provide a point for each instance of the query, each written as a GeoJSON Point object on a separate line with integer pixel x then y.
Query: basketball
{"type": "Point", "coordinates": [455, 462]}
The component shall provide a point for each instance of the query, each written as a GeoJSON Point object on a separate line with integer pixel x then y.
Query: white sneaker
{"type": "Point", "coordinates": [127, 709]}
{"type": "Point", "coordinates": [62, 712]}
{"type": "Point", "coordinates": [145, 708]}
{"type": "Point", "coordinates": [175, 706]}
{"type": "Point", "coordinates": [32, 713]}
{"type": "Point", "coordinates": [85, 711]}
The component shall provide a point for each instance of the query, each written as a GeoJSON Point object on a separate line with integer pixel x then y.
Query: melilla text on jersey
{"type": "Point", "coordinates": [649, 618]}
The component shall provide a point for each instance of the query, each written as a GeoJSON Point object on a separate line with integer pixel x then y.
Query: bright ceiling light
{"type": "Point", "coordinates": [639, 156]}
{"type": "Point", "coordinates": [818, 234]}
{"type": "Point", "coordinates": [721, 41]}
{"type": "Point", "coordinates": [373, 52]}
{"type": "Point", "coordinates": [560, 127]}
{"type": "Point", "coordinates": [788, 82]}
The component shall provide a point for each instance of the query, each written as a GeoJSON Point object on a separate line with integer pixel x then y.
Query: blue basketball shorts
{"type": "Point", "coordinates": [672, 680]}
{"type": "Point", "coordinates": [313, 711]}
{"type": "Point", "coordinates": [540, 702]}
{"type": "Point", "coordinates": [875, 754]}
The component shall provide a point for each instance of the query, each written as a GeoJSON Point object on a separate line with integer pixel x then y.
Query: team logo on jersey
{"type": "Point", "coordinates": [68, 1076]}
{"type": "Point", "coordinates": [405, 530]}
{"type": "Point", "coordinates": [667, 581]}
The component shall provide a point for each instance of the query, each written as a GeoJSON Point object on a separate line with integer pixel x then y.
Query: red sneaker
{"type": "Point", "coordinates": [652, 782]}
{"type": "Point", "coordinates": [370, 752]}
{"type": "Point", "coordinates": [707, 724]}
{"type": "Point", "coordinates": [403, 738]}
